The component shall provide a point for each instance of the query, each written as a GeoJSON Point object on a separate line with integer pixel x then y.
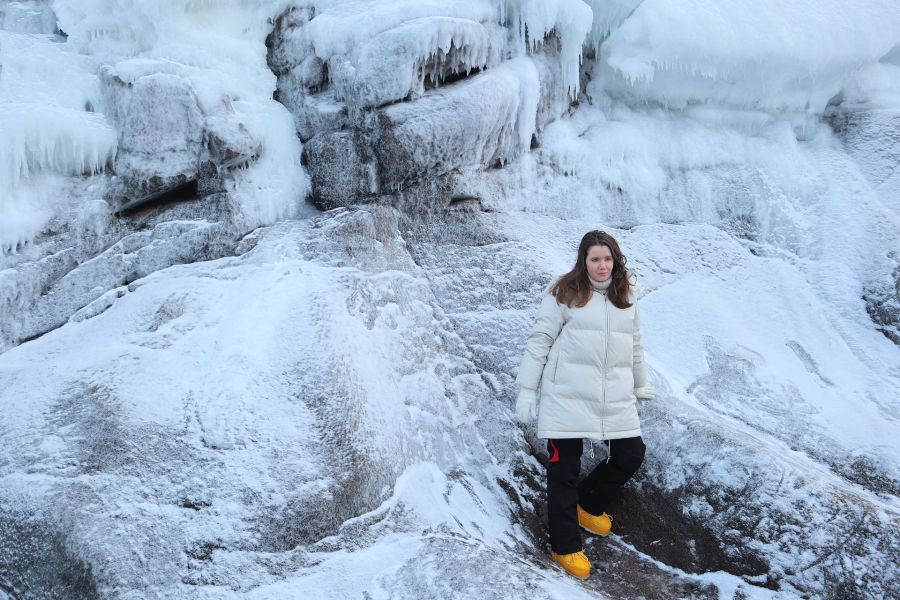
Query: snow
{"type": "Point", "coordinates": [328, 412]}
{"type": "Point", "coordinates": [28, 17]}
{"type": "Point", "coordinates": [391, 66]}
{"type": "Point", "coordinates": [763, 55]}
{"type": "Point", "coordinates": [341, 26]}
{"type": "Point", "coordinates": [55, 115]}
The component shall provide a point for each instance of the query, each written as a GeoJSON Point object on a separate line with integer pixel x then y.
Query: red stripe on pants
{"type": "Point", "coordinates": [555, 457]}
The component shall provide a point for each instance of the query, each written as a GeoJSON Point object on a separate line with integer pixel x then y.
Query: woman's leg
{"type": "Point", "coordinates": [602, 485]}
{"type": "Point", "coordinates": [562, 494]}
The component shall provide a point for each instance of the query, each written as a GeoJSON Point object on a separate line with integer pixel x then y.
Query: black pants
{"type": "Point", "coordinates": [594, 493]}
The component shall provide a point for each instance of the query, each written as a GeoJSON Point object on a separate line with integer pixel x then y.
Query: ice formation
{"type": "Point", "coordinates": [48, 124]}
{"type": "Point", "coordinates": [233, 394]}
{"type": "Point", "coordinates": [761, 55]}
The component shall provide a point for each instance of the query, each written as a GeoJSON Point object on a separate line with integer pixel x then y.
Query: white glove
{"type": "Point", "coordinates": [526, 405]}
{"type": "Point", "coordinates": [646, 392]}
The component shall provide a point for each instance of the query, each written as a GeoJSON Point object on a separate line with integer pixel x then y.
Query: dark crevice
{"type": "Point", "coordinates": [180, 193]}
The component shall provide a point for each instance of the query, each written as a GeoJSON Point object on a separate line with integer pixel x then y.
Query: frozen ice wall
{"type": "Point", "coordinates": [71, 99]}
{"type": "Point", "coordinates": [49, 122]}
{"type": "Point", "coordinates": [213, 389]}
{"type": "Point", "coordinates": [764, 55]}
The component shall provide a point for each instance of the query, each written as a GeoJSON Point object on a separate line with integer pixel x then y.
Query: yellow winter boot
{"type": "Point", "coordinates": [576, 563]}
{"type": "Point", "coordinates": [599, 524]}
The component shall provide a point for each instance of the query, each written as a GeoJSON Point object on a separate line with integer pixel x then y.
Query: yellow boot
{"type": "Point", "coordinates": [576, 563]}
{"type": "Point", "coordinates": [599, 524]}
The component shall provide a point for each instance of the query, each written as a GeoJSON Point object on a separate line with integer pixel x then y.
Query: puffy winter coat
{"type": "Point", "coordinates": [587, 361]}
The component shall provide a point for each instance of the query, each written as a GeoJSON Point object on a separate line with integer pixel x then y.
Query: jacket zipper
{"type": "Point", "coordinates": [605, 360]}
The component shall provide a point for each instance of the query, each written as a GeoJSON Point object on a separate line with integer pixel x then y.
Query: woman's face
{"type": "Point", "coordinates": [599, 263]}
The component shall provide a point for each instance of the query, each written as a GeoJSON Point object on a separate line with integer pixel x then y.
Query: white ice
{"type": "Point", "coordinates": [762, 55]}
{"type": "Point", "coordinates": [753, 231]}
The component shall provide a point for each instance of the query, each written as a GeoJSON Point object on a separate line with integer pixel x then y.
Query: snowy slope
{"type": "Point", "coordinates": [199, 407]}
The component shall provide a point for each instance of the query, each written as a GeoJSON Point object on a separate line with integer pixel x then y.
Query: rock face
{"type": "Point", "coordinates": [67, 271]}
{"type": "Point", "coordinates": [166, 141]}
{"type": "Point", "coordinates": [419, 324]}
{"type": "Point", "coordinates": [415, 106]}
{"type": "Point", "coordinates": [163, 202]}
{"type": "Point", "coordinates": [160, 131]}
{"type": "Point", "coordinates": [195, 409]}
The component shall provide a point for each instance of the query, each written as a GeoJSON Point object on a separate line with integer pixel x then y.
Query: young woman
{"type": "Point", "coordinates": [585, 353]}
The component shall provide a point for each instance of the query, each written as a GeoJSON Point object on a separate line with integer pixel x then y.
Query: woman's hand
{"type": "Point", "coordinates": [645, 392]}
{"type": "Point", "coordinates": [526, 404]}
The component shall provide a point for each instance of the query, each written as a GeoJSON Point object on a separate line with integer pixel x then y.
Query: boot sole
{"type": "Point", "coordinates": [594, 532]}
{"type": "Point", "coordinates": [568, 572]}
{"type": "Point", "coordinates": [571, 574]}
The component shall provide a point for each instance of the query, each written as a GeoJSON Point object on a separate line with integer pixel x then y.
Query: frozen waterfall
{"type": "Point", "coordinates": [267, 268]}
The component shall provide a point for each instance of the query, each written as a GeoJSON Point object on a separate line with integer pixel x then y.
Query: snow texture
{"type": "Point", "coordinates": [232, 395]}
{"type": "Point", "coordinates": [761, 55]}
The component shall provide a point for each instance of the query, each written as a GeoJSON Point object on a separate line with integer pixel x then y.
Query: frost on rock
{"type": "Point", "coordinates": [216, 449]}
{"type": "Point", "coordinates": [867, 121]}
{"type": "Point", "coordinates": [191, 409]}
{"type": "Point", "coordinates": [85, 257]}
{"type": "Point", "coordinates": [160, 131]}
{"type": "Point", "coordinates": [421, 94]}
{"type": "Point", "coordinates": [343, 439]}
{"type": "Point", "coordinates": [485, 121]}
{"type": "Point", "coordinates": [193, 147]}
{"type": "Point", "coordinates": [402, 62]}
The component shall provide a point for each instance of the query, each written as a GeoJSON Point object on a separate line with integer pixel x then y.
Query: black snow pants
{"type": "Point", "coordinates": [595, 492]}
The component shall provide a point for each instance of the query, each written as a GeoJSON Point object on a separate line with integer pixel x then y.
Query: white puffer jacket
{"type": "Point", "coordinates": [588, 362]}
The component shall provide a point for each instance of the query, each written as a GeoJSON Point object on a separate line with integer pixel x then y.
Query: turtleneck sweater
{"type": "Point", "coordinates": [601, 286]}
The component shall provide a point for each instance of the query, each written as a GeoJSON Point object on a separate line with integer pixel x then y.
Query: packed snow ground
{"type": "Point", "coordinates": [327, 413]}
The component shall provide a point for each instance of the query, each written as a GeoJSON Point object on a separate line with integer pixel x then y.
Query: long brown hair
{"type": "Point", "coordinates": [574, 288]}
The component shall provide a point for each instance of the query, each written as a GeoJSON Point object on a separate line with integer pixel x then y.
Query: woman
{"type": "Point", "coordinates": [585, 352]}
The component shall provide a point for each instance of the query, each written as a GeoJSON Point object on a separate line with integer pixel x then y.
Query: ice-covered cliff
{"type": "Point", "coordinates": [266, 269]}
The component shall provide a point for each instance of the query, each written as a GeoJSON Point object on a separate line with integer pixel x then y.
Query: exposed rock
{"type": "Point", "coordinates": [478, 121]}
{"type": "Point", "coordinates": [339, 176]}
{"type": "Point", "coordinates": [883, 306]}
{"type": "Point", "coordinates": [429, 68]}
{"type": "Point", "coordinates": [414, 147]}
{"type": "Point", "coordinates": [287, 45]}
{"type": "Point", "coordinates": [314, 114]}
{"type": "Point", "coordinates": [303, 77]}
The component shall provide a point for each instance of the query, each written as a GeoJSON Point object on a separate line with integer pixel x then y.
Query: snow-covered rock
{"type": "Point", "coordinates": [160, 129]}
{"type": "Point", "coordinates": [484, 121]}
{"type": "Point", "coordinates": [68, 270]}
{"type": "Point", "coordinates": [402, 62]}
{"type": "Point", "coordinates": [214, 406]}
